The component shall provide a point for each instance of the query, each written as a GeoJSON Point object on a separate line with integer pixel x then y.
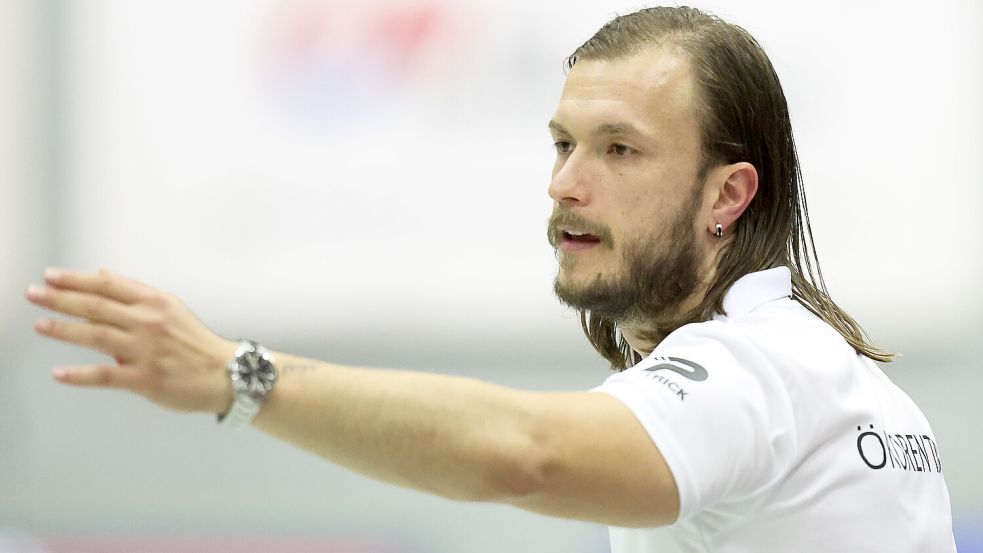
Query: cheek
{"type": "Point", "coordinates": [642, 211]}
{"type": "Point", "coordinates": [649, 219]}
{"type": "Point", "coordinates": [646, 198]}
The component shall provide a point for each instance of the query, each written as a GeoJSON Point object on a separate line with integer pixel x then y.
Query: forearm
{"type": "Point", "coordinates": [556, 453]}
{"type": "Point", "coordinates": [457, 437]}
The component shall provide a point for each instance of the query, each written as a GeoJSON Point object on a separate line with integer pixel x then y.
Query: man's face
{"type": "Point", "coordinates": [626, 211]}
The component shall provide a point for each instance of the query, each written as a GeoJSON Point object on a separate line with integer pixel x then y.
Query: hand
{"type": "Point", "coordinates": [162, 351]}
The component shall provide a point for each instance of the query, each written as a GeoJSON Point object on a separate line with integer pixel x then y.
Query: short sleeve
{"type": "Point", "coordinates": [716, 409]}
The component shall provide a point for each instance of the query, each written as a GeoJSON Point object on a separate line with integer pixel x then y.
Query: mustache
{"type": "Point", "coordinates": [567, 218]}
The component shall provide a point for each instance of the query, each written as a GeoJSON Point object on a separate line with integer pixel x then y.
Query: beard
{"type": "Point", "coordinates": [658, 272]}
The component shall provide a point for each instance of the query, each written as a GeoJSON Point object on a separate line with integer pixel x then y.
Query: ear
{"type": "Point", "coordinates": [738, 183]}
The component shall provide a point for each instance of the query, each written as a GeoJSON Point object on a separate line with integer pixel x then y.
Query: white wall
{"type": "Point", "coordinates": [19, 155]}
{"type": "Point", "coordinates": [202, 136]}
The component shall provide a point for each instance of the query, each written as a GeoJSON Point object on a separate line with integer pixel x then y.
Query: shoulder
{"type": "Point", "coordinates": [709, 391]}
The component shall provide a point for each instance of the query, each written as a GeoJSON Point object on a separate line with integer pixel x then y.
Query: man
{"type": "Point", "coordinates": [747, 413]}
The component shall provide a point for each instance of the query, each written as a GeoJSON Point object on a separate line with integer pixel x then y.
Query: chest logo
{"type": "Point", "coordinates": [688, 369]}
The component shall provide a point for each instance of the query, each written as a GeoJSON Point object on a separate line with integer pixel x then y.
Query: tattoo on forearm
{"type": "Point", "coordinates": [298, 367]}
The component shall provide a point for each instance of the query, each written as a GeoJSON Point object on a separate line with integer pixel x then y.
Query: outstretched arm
{"type": "Point", "coordinates": [569, 454]}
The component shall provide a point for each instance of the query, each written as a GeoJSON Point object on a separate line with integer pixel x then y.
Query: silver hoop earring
{"type": "Point", "coordinates": [720, 230]}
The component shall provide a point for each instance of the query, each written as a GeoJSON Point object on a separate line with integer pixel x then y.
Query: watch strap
{"type": "Point", "coordinates": [243, 411]}
{"type": "Point", "coordinates": [245, 406]}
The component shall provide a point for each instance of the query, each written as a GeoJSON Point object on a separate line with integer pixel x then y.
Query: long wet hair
{"type": "Point", "coordinates": [743, 117]}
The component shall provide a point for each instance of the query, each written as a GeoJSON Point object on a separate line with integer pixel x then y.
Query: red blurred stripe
{"type": "Point", "coordinates": [153, 544]}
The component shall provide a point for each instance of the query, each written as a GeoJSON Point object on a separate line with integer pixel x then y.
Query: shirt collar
{"type": "Point", "coordinates": [756, 289]}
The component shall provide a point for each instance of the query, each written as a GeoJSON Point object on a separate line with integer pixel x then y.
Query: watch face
{"type": "Point", "coordinates": [258, 374]}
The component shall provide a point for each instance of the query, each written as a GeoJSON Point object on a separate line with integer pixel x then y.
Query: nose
{"type": "Point", "coordinates": [569, 184]}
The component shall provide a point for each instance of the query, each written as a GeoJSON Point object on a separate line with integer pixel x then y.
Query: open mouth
{"type": "Point", "coordinates": [575, 241]}
{"type": "Point", "coordinates": [580, 238]}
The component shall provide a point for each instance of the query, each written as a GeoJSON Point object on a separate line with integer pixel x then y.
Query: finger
{"type": "Point", "coordinates": [80, 304]}
{"type": "Point", "coordinates": [100, 337]}
{"type": "Point", "coordinates": [103, 283]}
{"type": "Point", "coordinates": [121, 377]}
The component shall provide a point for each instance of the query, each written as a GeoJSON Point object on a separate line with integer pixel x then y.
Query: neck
{"type": "Point", "coordinates": [641, 335]}
{"type": "Point", "coordinates": [634, 336]}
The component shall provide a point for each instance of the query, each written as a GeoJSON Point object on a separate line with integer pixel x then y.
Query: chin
{"type": "Point", "coordinates": [577, 280]}
{"type": "Point", "coordinates": [573, 275]}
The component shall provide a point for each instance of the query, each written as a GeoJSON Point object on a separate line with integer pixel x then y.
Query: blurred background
{"type": "Point", "coordinates": [365, 182]}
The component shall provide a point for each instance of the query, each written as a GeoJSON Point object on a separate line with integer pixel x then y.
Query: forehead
{"type": "Point", "coordinates": [653, 89]}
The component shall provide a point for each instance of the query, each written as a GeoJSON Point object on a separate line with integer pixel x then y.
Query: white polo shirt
{"type": "Point", "coordinates": [781, 438]}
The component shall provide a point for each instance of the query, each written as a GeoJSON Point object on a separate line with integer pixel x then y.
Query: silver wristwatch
{"type": "Point", "coordinates": [253, 374]}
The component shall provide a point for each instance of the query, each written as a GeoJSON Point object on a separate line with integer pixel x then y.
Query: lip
{"type": "Point", "coordinates": [567, 244]}
{"type": "Point", "coordinates": [572, 246]}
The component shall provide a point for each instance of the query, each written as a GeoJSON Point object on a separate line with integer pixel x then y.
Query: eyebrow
{"type": "Point", "coordinates": [620, 128]}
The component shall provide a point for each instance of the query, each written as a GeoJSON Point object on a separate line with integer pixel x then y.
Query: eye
{"type": "Point", "coordinates": [563, 146]}
{"type": "Point", "coordinates": [620, 150]}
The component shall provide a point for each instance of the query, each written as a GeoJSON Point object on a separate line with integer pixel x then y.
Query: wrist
{"type": "Point", "coordinates": [223, 354]}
